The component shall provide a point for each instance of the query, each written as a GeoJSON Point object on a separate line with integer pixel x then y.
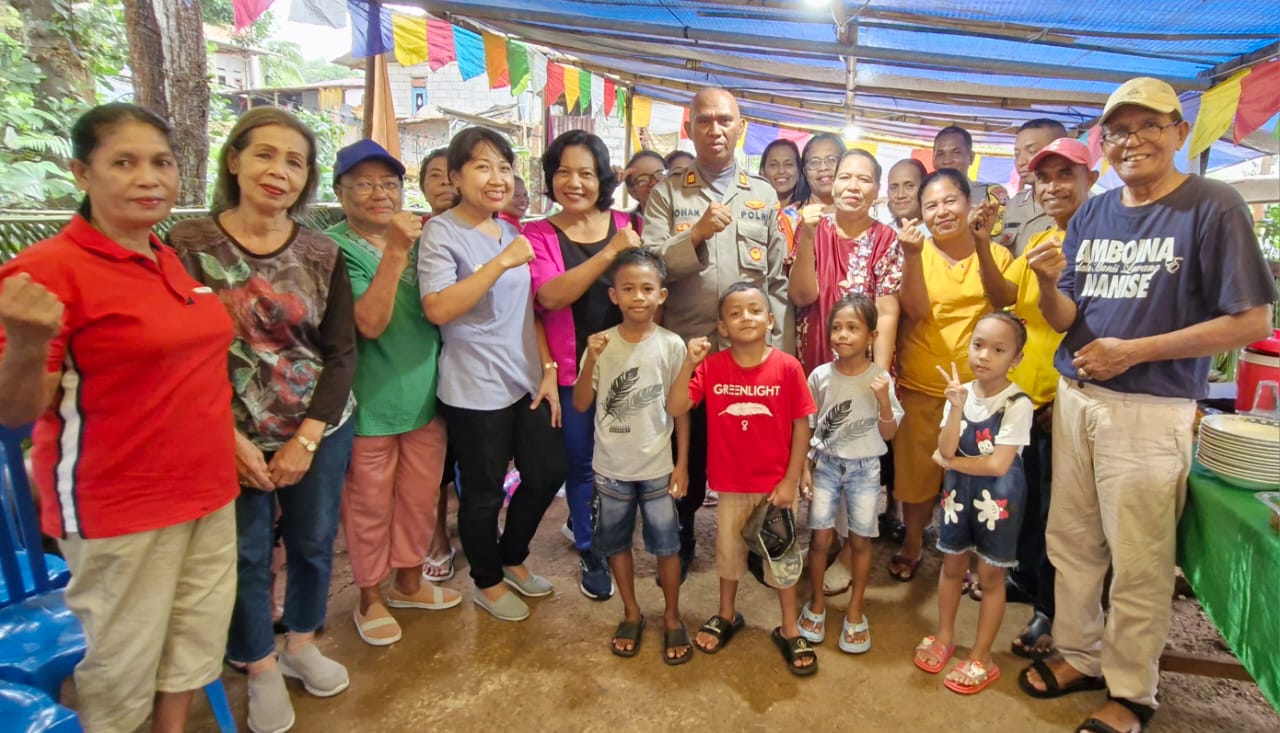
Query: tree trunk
{"type": "Point", "coordinates": [189, 98]}
{"type": "Point", "coordinates": [146, 56]}
{"type": "Point", "coordinates": [65, 74]}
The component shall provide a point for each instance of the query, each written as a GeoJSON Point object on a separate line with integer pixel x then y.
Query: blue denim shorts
{"type": "Point", "coordinates": [614, 516]}
{"type": "Point", "coordinates": [858, 479]}
{"type": "Point", "coordinates": [983, 515]}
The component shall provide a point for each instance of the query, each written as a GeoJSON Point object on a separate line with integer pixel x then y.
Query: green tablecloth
{"type": "Point", "coordinates": [1231, 556]}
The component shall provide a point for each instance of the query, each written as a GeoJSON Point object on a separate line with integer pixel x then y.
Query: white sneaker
{"type": "Point", "coordinates": [320, 675]}
{"type": "Point", "coordinates": [270, 710]}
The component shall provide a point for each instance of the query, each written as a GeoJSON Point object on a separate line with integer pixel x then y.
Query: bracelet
{"type": "Point", "coordinates": [891, 419]}
{"type": "Point", "coordinates": [550, 365]}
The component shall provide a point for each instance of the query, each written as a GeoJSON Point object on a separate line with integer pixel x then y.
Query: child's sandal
{"type": "Point", "coordinates": [722, 630]}
{"type": "Point", "coordinates": [795, 649]}
{"type": "Point", "coordinates": [976, 677]}
{"type": "Point", "coordinates": [818, 622]}
{"type": "Point", "coordinates": [941, 653]}
{"type": "Point", "coordinates": [847, 632]}
{"type": "Point", "coordinates": [674, 639]}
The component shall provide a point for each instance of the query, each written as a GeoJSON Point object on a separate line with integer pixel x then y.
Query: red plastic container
{"type": "Point", "coordinates": [1259, 361]}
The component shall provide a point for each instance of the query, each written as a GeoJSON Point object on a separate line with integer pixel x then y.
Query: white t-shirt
{"type": "Point", "coordinates": [633, 429]}
{"type": "Point", "coordinates": [847, 424]}
{"type": "Point", "coordinates": [1015, 426]}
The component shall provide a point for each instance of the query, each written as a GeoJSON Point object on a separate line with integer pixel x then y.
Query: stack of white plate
{"type": "Point", "coordinates": [1241, 449]}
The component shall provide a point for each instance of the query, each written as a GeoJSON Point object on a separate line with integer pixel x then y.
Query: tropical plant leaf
{"type": "Point", "coordinates": [834, 418]}
{"type": "Point", "coordinates": [854, 429]}
{"type": "Point", "coordinates": [619, 390]}
{"type": "Point", "coordinates": [644, 397]}
{"type": "Point", "coordinates": [743, 409]}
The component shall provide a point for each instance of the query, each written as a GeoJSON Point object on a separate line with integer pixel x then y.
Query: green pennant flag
{"type": "Point", "coordinates": [584, 91]}
{"type": "Point", "coordinates": [517, 66]}
{"type": "Point", "coordinates": [620, 95]}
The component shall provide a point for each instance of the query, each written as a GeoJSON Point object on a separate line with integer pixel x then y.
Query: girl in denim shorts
{"type": "Point", "coordinates": [857, 413]}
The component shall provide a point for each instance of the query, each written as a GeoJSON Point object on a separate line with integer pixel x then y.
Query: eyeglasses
{"type": "Point", "coordinates": [817, 164]}
{"type": "Point", "coordinates": [646, 179]}
{"type": "Point", "coordinates": [1148, 133]}
{"type": "Point", "coordinates": [366, 188]}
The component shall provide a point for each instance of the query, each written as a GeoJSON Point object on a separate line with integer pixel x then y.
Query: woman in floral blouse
{"type": "Point", "coordinates": [291, 365]}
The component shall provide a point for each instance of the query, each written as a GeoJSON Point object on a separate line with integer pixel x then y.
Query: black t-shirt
{"type": "Point", "coordinates": [593, 312]}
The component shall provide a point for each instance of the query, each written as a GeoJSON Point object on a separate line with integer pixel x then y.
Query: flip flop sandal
{"type": "Point", "coordinates": [943, 654]}
{"type": "Point", "coordinates": [673, 639]}
{"type": "Point", "coordinates": [815, 620]}
{"type": "Point", "coordinates": [723, 630]}
{"type": "Point", "coordinates": [1051, 687]}
{"type": "Point", "coordinates": [978, 674]}
{"type": "Point", "coordinates": [1027, 644]}
{"type": "Point", "coordinates": [366, 626]}
{"type": "Point", "coordinates": [795, 649]}
{"type": "Point", "coordinates": [912, 565]}
{"type": "Point", "coordinates": [1142, 712]}
{"type": "Point", "coordinates": [627, 631]}
{"type": "Point", "coordinates": [442, 569]}
{"type": "Point", "coordinates": [847, 630]}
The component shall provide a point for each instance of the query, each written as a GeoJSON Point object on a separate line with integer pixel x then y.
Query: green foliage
{"type": "Point", "coordinates": [285, 68]}
{"type": "Point", "coordinates": [1269, 233]}
{"type": "Point", "coordinates": [221, 13]}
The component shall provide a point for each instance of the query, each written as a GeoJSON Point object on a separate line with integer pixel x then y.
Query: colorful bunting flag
{"type": "Point", "coordinates": [495, 59]}
{"type": "Point", "coordinates": [584, 91]}
{"type": "Point", "coordinates": [621, 104]}
{"type": "Point", "coordinates": [1217, 110]}
{"type": "Point", "coordinates": [247, 11]}
{"type": "Point", "coordinates": [517, 66]}
{"type": "Point", "coordinates": [571, 89]}
{"type": "Point", "coordinates": [470, 50]}
{"type": "Point", "coordinates": [371, 32]}
{"type": "Point", "coordinates": [597, 94]}
{"type": "Point", "coordinates": [410, 35]}
{"type": "Point", "coordinates": [610, 100]}
{"type": "Point", "coordinates": [440, 50]}
{"type": "Point", "coordinates": [1259, 99]}
{"type": "Point", "coordinates": [332, 13]}
{"type": "Point", "coordinates": [555, 84]}
{"type": "Point", "coordinates": [537, 70]}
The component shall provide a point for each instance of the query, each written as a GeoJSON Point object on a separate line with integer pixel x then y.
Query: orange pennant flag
{"type": "Point", "coordinates": [495, 60]}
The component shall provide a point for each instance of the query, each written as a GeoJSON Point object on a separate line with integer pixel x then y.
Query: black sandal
{"type": "Point", "coordinates": [627, 631]}
{"type": "Point", "coordinates": [1026, 645]}
{"type": "Point", "coordinates": [1051, 687]}
{"type": "Point", "coordinates": [1142, 712]}
{"type": "Point", "coordinates": [794, 650]}
{"type": "Point", "coordinates": [674, 639]}
{"type": "Point", "coordinates": [722, 629]}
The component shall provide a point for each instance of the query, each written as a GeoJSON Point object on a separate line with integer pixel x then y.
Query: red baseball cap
{"type": "Point", "coordinates": [1073, 150]}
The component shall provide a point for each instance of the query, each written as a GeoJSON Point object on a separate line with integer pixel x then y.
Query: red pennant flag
{"type": "Point", "coordinates": [1095, 145]}
{"type": "Point", "coordinates": [1259, 99]}
{"type": "Point", "coordinates": [684, 125]}
{"type": "Point", "coordinates": [440, 49]}
{"type": "Point", "coordinates": [247, 11]}
{"type": "Point", "coordinates": [924, 155]}
{"type": "Point", "coordinates": [555, 83]}
{"type": "Point", "coordinates": [609, 98]}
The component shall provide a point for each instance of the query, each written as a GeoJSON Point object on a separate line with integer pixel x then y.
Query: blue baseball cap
{"type": "Point", "coordinates": [360, 151]}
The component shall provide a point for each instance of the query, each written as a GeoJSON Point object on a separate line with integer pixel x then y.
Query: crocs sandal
{"type": "Point", "coordinates": [795, 649]}
{"type": "Point", "coordinates": [817, 621]}
{"type": "Point", "coordinates": [674, 639]}
{"type": "Point", "coordinates": [903, 561]}
{"type": "Point", "coordinates": [847, 630]}
{"type": "Point", "coordinates": [722, 629]}
{"type": "Point", "coordinates": [438, 571]}
{"type": "Point", "coordinates": [978, 677]}
{"type": "Point", "coordinates": [1052, 688]}
{"type": "Point", "coordinates": [1142, 712]}
{"type": "Point", "coordinates": [1028, 644]}
{"type": "Point", "coordinates": [943, 654]}
{"type": "Point", "coordinates": [627, 631]}
{"type": "Point", "coordinates": [376, 630]}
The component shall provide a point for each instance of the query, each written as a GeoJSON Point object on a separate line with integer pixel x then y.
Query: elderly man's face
{"type": "Point", "coordinates": [714, 126]}
{"type": "Point", "coordinates": [1150, 141]}
{"type": "Point", "coordinates": [370, 194]}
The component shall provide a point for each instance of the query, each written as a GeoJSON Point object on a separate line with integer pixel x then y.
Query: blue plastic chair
{"type": "Point", "coordinates": [41, 641]}
{"type": "Point", "coordinates": [27, 710]}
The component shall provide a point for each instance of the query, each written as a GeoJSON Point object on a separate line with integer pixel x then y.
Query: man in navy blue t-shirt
{"type": "Point", "coordinates": [1151, 281]}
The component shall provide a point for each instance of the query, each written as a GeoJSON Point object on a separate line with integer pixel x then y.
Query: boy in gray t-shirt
{"type": "Point", "coordinates": [627, 372]}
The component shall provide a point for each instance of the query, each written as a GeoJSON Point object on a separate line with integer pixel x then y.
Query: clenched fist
{"type": "Point", "coordinates": [811, 215]}
{"type": "Point", "coordinates": [714, 220]}
{"type": "Point", "coordinates": [406, 228]}
{"type": "Point", "coordinates": [596, 344]}
{"type": "Point", "coordinates": [625, 239]}
{"type": "Point", "coordinates": [1047, 262]}
{"type": "Point", "coordinates": [518, 253]}
{"type": "Point", "coordinates": [29, 314]}
{"type": "Point", "coordinates": [698, 349]}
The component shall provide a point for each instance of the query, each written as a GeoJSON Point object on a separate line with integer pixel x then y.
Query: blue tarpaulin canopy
{"type": "Point", "coordinates": [902, 68]}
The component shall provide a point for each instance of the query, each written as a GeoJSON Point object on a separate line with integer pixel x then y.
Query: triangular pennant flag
{"type": "Point", "coordinates": [571, 89]}
{"type": "Point", "coordinates": [555, 84]}
{"type": "Point", "coordinates": [1259, 99]}
{"type": "Point", "coordinates": [517, 66]}
{"type": "Point", "coordinates": [247, 11]}
{"type": "Point", "coordinates": [1217, 110]}
{"type": "Point", "coordinates": [495, 59]}
{"type": "Point", "coordinates": [470, 50]}
{"type": "Point", "coordinates": [584, 91]}
{"type": "Point", "coordinates": [610, 100]}
{"type": "Point", "coordinates": [410, 35]}
{"type": "Point", "coordinates": [537, 70]}
{"type": "Point", "coordinates": [370, 29]}
{"type": "Point", "coordinates": [439, 44]}
{"type": "Point", "coordinates": [621, 106]}
{"type": "Point", "coordinates": [597, 94]}
{"type": "Point", "coordinates": [332, 13]}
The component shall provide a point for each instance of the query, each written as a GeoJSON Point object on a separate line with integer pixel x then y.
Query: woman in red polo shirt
{"type": "Point", "coordinates": [120, 358]}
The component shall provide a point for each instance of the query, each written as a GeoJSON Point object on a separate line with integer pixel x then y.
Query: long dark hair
{"type": "Point", "coordinates": [92, 126]}
{"type": "Point", "coordinates": [803, 191]}
{"type": "Point", "coordinates": [226, 190]}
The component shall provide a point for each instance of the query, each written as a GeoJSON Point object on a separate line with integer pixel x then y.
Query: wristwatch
{"type": "Point", "coordinates": [307, 443]}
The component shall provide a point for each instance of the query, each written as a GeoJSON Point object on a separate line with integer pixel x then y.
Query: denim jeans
{"type": "Point", "coordinates": [616, 503]}
{"type": "Point", "coordinates": [483, 441]}
{"type": "Point", "coordinates": [691, 502]}
{"type": "Point", "coordinates": [857, 480]}
{"type": "Point", "coordinates": [308, 524]}
{"type": "Point", "coordinates": [579, 444]}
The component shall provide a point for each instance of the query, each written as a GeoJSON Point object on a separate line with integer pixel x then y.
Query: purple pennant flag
{"type": "Point", "coordinates": [370, 29]}
{"type": "Point", "coordinates": [759, 135]}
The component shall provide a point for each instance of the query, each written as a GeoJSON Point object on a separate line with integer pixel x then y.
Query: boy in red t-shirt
{"type": "Point", "coordinates": [758, 408]}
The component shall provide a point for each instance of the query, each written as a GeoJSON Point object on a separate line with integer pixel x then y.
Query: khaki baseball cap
{"type": "Point", "coordinates": [1143, 91]}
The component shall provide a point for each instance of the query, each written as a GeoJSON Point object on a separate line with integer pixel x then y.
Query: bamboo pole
{"type": "Point", "coordinates": [367, 103]}
{"type": "Point", "coordinates": [626, 147]}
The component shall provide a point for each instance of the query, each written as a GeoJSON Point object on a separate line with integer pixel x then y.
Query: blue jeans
{"type": "Point", "coordinates": [616, 503]}
{"type": "Point", "coordinates": [308, 525]}
{"type": "Point", "coordinates": [579, 444]}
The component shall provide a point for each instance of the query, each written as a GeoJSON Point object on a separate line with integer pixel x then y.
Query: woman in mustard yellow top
{"type": "Point", "coordinates": [942, 299]}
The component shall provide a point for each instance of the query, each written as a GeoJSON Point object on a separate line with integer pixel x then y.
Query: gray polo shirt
{"type": "Point", "coordinates": [490, 354]}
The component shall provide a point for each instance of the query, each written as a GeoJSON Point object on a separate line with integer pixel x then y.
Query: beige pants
{"type": "Point", "coordinates": [155, 607]}
{"type": "Point", "coordinates": [1120, 464]}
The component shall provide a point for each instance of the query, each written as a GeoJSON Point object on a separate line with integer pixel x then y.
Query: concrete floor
{"type": "Point", "coordinates": [462, 670]}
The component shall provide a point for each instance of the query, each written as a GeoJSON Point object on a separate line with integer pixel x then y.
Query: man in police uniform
{"type": "Point", "coordinates": [714, 225]}
{"type": "Point", "coordinates": [1023, 218]}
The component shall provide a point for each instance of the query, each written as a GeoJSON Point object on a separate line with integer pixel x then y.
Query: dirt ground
{"type": "Point", "coordinates": [461, 670]}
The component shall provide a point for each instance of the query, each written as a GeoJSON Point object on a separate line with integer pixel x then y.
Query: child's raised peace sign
{"type": "Point", "coordinates": [955, 393]}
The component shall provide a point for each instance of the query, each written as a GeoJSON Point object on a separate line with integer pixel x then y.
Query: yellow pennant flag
{"type": "Point", "coordinates": [410, 35]}
{"type": "Point", "coordinates": [571, 90]}
{"type": "Point", "coordinates": [972, 173]}
{"type": "Point", "coordinates": [867, 145]}
{"type": "Point", "coordinates": [1217, 112]}
{"type": "Point", "coordinates": [641, 115]}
